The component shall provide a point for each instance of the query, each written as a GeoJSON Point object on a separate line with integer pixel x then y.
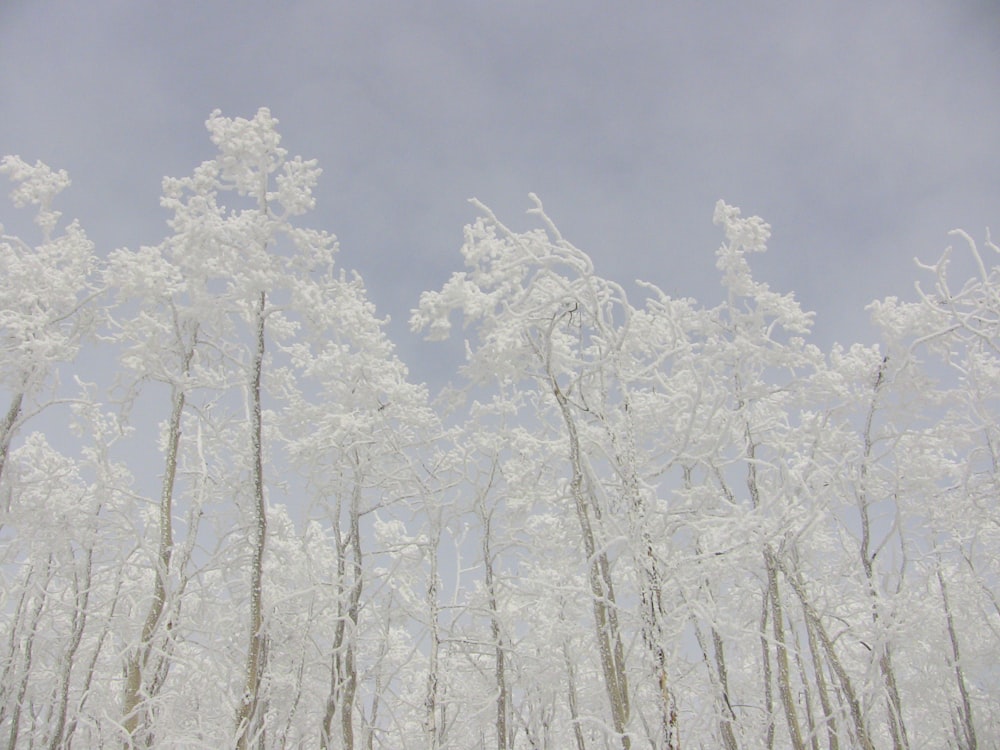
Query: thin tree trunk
{"type": "Point", "coordinates": [433, 668]}
{"type": "Point", "coordinates": [574, 711]}
{"type": "Point", "coordinates": [495, 632]}
{"type": "Point", "coordinates": [379, 680]}
{"type": "Point", "coordinates": [282, 737]}
{"type": "Point", "coordinates": [843, 678]}
{"type": "Point", "coordinates": [7, 430]}
{"type": "Point", "coordinates": [353, 611]}
{"type": "Point", "coordinates": [609, 642]}
{"type": "Point", "coordinates": [139, 657]}
{"type": "Point", "coordinates": [728, 718]}
{"type": "Point", "coordinates": [82, 597]}
{"type": "Point", "coordinates": [247, 718]}
{"type": "Point", "coordinates": [968, 726]}
{"type": "Point", "coordinates": [336, 666]}
{"type": "Point", "coordinates": [602, 592]}
{"type": "Point", "coordinates": [893, 705]}
{"type": "Point", "coordinates": [718, 678]}
{"type": "Point", "coordinates": [777, 617]}
{"type": "Point", "coordinates": [766, 662]}
{"type": "Point", "coordinates": [651, 599]}
{"type": "Point", "coordinates": [824, 696]}
{"type": "Point", "coordinates": [28, 640]}
{"type": "Point", "coordinates": [9, 676]}
{"type": "Point", "coordinates": [781, 652]}
{"type": "Point", "coordinates": [806, 695]}
{"type": "Point", "coordinates": [720, 675]}
{"type": "Point", "coordinates": [91, 670]}
{"type": "Point", "coordinates": [650, 579]}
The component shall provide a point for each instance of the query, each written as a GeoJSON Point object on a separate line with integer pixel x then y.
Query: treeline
{"type": "Point", "coordinates": [630, 524]}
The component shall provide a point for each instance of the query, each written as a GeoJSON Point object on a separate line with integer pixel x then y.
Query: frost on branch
{"type": "Point", "coordinates": [654, 521]}
{"type": "Point", "coordinates": [36, 185]}
{"type": "Point", "coordinates": [247, 149]}
{"type": "Point", "coordinates": [970, 313]}
{"type": "Point", "coordinates": [520, 288]}
{"type": "Point", "coordinates": [222, 238]}
{"type": "Point", "coordinates": [44, 285]}
{"type": "Point", "coordinates": [750, 235]}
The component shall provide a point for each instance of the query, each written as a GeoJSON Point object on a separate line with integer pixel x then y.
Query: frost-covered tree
{"type": "Point", "coordinates": [52, 501]}
{"type": "Point", "coordinates": [204, 305]}
{"type": "Point", "coordinates": [639, 521]}
{"type": "Point", "coordinates": [356, 427]}
{"type": "Point", "coordinates": [44, 312]}
{"type": "Point", "coordinates": [546, 323]}
{"type": "Point", "coordinates": [948, 343]}
{"type": "Point", "coordinates": [62, 569]}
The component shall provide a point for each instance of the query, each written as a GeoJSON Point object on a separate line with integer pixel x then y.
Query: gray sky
{"type": "Point", "coordinates": [862, 131]}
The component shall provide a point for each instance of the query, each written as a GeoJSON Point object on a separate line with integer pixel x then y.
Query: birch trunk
{"type": "Point", "coordinates": [248, 722]}
{"type": "Point", "coordinates": [844, 680]}
{"type": "Point", "coordinates": [343, 676]}
{"type": "Point", "coordinates": [137, 667]}
{"type": "Point", "coordinates": [499, 668]}
{"type": "Point", "coordinates": [965, 710]}
{"type": "Point", "coordinates": [599, 574]}
{"type": "Point", "coordinates": [7, 430]}
{"type": "Point", "coordinates": [883, 650]}
{"type": "Point", "coordinates": [82, 597]}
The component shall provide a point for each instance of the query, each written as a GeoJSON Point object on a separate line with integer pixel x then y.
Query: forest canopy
{"type": "Point", "coordinates": [228, 517]}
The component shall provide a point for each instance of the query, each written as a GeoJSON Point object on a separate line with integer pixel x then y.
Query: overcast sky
{"type": "Point", "coordinates": [862, 131]}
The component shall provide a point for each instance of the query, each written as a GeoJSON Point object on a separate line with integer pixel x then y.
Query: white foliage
{"type": "Point", "coordinates": [45, 286]}
{"type": "Point", "coordinates": [692, 500]}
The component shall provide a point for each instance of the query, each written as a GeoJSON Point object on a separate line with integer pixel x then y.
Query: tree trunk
{"type": "Point", "coordinates": [7, 430]}
{"type": "Point", "coordinates": [433, 668]}
{"type": "Point", "coordinates": [650, 579]}
{"type": "Point", "coordinates": [343, 677]}
{"type": "Point", "coordinates": [843, 678]}
{"type": "Point", "coordinates": [574, 711]}
{"type": "Point", "coordinates": [82, 597]}
{"type": "Point", "coordinates": [824, 696]}
{"type": "Point", "coordinates": [602, 592]}
{"type": "Point", "coordinates": [91, 668]}
{"type": "Point", "coordinates": [139, 657]}
{"type": "Point", "coordinates": [496, 634]}
{"type": "Point", "coordinates": [781, 652]}
{"type": "Point", "coordinates": [26, 663]}
{"type": "Point", "coordinates": [353, 612]}
{"type": "Point", "coordinates": [247, 718]}
{"type": "Point", "coordinates": [777, 617]}
{"type": "Point", "coordinates": [609, 642]}
{"type": "Point", "coordinates": [333, 699]}
{"type": "Point", "coordinates": [806, 695]}
{"type": "Point", "coordinates": [893, 706]}
{"type": "Point", "coordinates": [965, 711]}
{"type": "Point", "coordinates": [765, 655]}
{"type": "Point", "coordinates": [728, 719]}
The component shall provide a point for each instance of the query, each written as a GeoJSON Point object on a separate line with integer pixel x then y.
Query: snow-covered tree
{"type": "Point", "coordinates": [637, 521]}
{"type": "Point", "coordinates": [44, 311]}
